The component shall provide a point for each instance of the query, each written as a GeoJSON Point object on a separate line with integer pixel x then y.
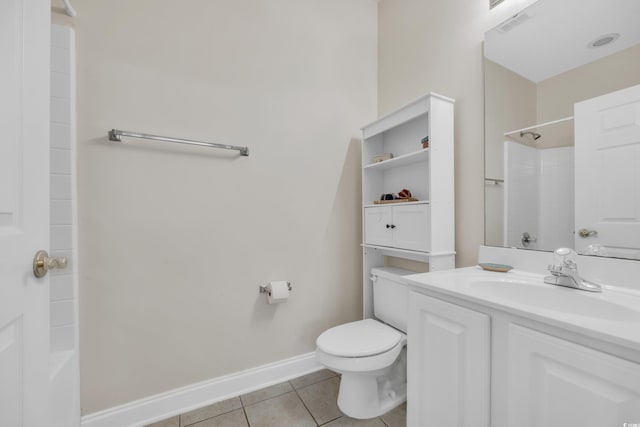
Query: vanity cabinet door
{"type": "Point", "coordinates": [448, 365]}
{"type": "Point", "coordinates": [553, 382]}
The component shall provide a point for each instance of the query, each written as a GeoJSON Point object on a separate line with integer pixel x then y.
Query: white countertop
{"type": "Point", "coordinates": [612, 316]}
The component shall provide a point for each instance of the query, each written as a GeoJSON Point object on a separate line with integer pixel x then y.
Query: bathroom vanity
{"type": "Point", "coordinates": [561, 147]}
{"type": "Point", "coordinates": [506, 349]}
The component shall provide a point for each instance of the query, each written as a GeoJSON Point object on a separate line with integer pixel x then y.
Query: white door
{"type": "Point", "coordinates": [24, 212]}
{"type": "Point", "coordinates": [607, 168]}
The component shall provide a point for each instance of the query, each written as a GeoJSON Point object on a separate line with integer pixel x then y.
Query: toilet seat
{"type": "Point", "coordinates": [363, 338]}
{"type": "Point", "coordinates": [370, 365]}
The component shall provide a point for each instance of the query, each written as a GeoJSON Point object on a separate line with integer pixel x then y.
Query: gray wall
{"type": "Point", "coordinates": [175, 241]}
{"type": "Point", "coordinates": [437, 46]}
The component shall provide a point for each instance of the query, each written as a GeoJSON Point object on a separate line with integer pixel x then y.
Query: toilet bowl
{"type": "Point", "coordinates": [371, 354]}
{"type": "Point", "coordinates": [371, 357]}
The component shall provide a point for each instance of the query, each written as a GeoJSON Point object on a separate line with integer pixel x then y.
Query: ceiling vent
{"type": "Point", "coordinates": [515, 21]}
{"type": "Point", "coordinates": [604, 40]}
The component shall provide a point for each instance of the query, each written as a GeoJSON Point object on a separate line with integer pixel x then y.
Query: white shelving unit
{"type": "Point", "coordinates": [422, 230]}
{"type": "Point", "coordinates": [403, 160]}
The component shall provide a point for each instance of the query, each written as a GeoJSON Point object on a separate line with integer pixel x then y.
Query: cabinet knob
{"type": "Point", "coordinates": [527, 239]}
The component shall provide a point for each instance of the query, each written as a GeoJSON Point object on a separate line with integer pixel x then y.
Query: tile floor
{"type": "Point", "coordinates": [307, 401]}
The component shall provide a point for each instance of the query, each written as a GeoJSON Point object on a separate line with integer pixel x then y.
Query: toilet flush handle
{"type": "Point", "coordinates": [374, 278]}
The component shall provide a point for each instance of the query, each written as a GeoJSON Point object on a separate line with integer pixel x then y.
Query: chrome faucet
{"type": "Point", "coordinates": [566, 273]}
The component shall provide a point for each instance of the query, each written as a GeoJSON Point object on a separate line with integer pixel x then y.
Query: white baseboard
{"type": "Point", "coordinates": [174, 402]}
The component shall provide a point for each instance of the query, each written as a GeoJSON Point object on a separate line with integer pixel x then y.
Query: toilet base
{"type": "Point", "coordinates": [369, 395]}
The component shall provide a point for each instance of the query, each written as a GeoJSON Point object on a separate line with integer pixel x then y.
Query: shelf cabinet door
{"type": "Point", "coordinates": [553, 382]}
{"type": "Point", "coordinates": [411, 229]}
{"type": "Point", "coordinates": [405, 227]}
{"type": "Point", "coordinates": [376, 231]}
{"type": "Point", "coordinates": [448, 365]}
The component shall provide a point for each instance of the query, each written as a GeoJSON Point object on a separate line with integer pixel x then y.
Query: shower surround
{"type": "Point", "coordinates": [64, 365]}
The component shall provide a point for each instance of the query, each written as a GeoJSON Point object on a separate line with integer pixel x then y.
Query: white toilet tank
{"type": "Point", "coordinates": [390, 296]}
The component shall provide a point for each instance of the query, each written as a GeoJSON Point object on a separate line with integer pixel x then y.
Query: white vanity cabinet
{"type": "Point", "coordinates": [550, 381]}
{"type": "Point", "coordinates": [471, 365]}
{"type": "Point", "coordinates": [422, 229]}
{"type": "Point", "coordinates": [404, 227]}
{"type": "Point", "coordinates": [448, 352]}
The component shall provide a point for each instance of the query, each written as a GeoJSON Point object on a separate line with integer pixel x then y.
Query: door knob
{"type": "Point", "coordinates": [583, 232]}
{"type": "Point", "coordinates": [527, 239]}
{"type": "Point", "coordinates": [42, 263]}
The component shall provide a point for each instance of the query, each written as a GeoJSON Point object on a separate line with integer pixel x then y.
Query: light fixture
{"type": "Point", "coordinates": [603, 40]}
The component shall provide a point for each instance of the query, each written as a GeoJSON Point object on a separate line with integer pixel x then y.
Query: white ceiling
{"type": "Point", "coordinates": [553, 36]}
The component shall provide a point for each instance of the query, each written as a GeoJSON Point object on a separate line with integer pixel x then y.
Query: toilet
{"type": "Point", "coordinates": [371, 354]}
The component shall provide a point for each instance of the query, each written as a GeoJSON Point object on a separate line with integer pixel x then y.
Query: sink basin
{"type": "Point", "coordinates": [613, 314]}
{"type": "Point", "coordinates": [555, 298]}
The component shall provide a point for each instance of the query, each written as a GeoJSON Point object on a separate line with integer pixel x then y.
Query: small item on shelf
{"type": "Point", "coordinates": [404, 194]}
{"type": "Point", "coordinates": [382, 157]}
{"type": "Point", "coordinates": [425, 142]}
{"type": "Point", "coordinates": [385, 202]}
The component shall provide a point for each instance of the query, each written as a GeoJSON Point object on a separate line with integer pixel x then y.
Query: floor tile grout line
{"type": "Point", "coordinates": [330, 421]}
{"type": "Point", "coordinates": [208, 418]}
{"type": "Point", "coordinates": [268, 398]}
{"type": "Point", "coordinates": [310, 384]}
{"type": "Point", "coordinates": [317, 382]}
{"type": "Point", "coordinates": [246, 417]}
{"type": "Point", "coordinates": [305, 406]}
{"type": "Point", "coordinates": [294, 389]}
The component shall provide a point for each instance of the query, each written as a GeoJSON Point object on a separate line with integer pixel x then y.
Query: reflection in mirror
{"type": "Point", "coordinates": [538, 65]}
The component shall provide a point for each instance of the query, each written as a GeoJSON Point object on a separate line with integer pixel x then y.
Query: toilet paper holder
{"type": "Point", "coordinates": [263, 288]}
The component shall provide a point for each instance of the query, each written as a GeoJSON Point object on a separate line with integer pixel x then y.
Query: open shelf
{"type": "Point", "coordinates": [403, 160]}
{"type": "Point", "coordinates": [408, 254]}
{"type": "Point", "coordinates": [375, 205]}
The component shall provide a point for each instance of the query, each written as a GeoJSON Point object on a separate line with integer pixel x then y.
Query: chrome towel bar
{"type": "Point", "coordinates": [116, 135]}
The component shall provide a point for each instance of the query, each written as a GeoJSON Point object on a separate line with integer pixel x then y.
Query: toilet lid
{"type": "Point", "coordinates": [358, 339]}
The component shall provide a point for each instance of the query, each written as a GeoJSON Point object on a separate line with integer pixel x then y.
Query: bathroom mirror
{"type": "Point", "coordinates": [537, 65]}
